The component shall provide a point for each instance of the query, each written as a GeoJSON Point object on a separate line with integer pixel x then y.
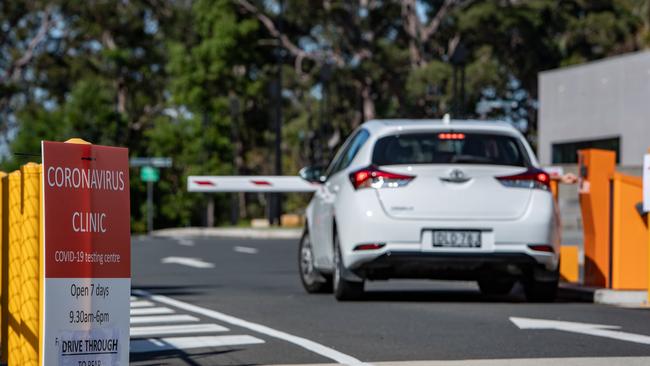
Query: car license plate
{"type": "Point", "coordinates": [456, 239]}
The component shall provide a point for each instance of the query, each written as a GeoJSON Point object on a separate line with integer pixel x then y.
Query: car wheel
{"type": "Point", "coordinates": [540, 291]}
{"type": "Point", "coordinates": [344, 290]}
{"type": "Point", "coordinates": [312, 280]}
{"type": "Point", "coordinates": [496, 286]}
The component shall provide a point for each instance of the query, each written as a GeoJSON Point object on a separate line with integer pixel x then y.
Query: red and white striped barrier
{"type": "Point", "coordinates": [225, 183]}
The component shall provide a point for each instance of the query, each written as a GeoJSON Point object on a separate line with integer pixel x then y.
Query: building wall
{"type": "Point", "coordinates": [601, 99]}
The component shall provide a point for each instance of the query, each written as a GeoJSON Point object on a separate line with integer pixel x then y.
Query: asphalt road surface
{"type": "Point", "coordinates": [214, 301]}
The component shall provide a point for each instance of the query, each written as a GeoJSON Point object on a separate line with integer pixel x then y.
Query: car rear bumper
{"type": "Point", "coordinates": [363, 221]}
{"type": "Point", "coordinates": [454, 266]}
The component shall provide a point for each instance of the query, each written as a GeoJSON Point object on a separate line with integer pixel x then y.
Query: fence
{"type": "Point", "coordinates": [20, 265]}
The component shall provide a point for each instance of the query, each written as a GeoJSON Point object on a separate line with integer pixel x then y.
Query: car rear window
{"type": "Point", "coordinates": [450, 147]}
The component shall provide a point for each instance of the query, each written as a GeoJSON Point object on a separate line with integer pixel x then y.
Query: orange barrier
{"type": "Point", "coordinates": [596, 167]}
{"type": "Point", "coordinates": [629, 261]}
{"type": "Point", "coordinates": [616, 251]}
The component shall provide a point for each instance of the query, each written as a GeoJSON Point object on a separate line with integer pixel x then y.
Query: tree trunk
{"type": "Point", "coordinates": [368, 102]}
{"type": "Point", "coordinates": [411, 25]}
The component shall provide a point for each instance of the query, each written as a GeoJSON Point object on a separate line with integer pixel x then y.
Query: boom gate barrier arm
{"type": "Point", "coordinates": [254, 183]}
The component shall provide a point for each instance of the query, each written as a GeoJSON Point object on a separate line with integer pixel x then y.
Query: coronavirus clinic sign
{"type": "Point", "coordinates": [87, 255]}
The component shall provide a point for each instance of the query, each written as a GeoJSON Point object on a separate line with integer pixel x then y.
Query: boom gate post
{"type": "Point", "coordinates": [596, 168]}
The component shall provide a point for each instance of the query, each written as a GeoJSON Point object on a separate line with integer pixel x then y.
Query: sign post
{"type": "Point", "coordinates": [150, 175]}
{"type": "Point", "coordinates": [87, 258]}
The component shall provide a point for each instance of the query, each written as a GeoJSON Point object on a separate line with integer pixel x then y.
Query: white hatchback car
{"type": "Point", "coordinates": [458, 200]}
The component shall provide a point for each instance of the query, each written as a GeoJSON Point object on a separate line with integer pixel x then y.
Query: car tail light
{"type": "Point", "coordinates": [372, 177]}
{"type": "Point", "coordinates": [369, 246]}
{"type": "Point", "coordinates": [532, 178]}
{"type": "Point", "coordinates": [541, 248]}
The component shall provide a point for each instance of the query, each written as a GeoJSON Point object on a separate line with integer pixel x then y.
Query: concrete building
{"type": "Point", "coordinates": [601, 104]}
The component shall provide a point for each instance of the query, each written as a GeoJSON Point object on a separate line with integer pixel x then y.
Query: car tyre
{"type": "Point", "coordinates": [540, 291]}
{"type": "Point", "coordinates": [344, 290]}
{"type": "Point", "coordinates": [496, 286]}
{"type": "Point", "coordinates": [312, 280]}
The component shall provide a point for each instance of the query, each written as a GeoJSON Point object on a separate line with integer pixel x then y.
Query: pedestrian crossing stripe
{"type": "Point", "coordinates": [151, 311]}
{"type": "Point", "coordinates": [161, 329]}
{"type": "Point", "coordinates": [172, 343]}
{"type": "Point", "coordinates": [158, 330]}
{"type": "Point", "coordinates": [174, 318]}
{"type": "Point", "coordinates": [141, 304]}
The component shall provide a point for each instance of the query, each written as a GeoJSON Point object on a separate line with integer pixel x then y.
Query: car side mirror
{"type": "Point", "coordinates": [312, 174]}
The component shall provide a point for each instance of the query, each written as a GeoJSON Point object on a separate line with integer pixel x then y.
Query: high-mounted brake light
{"type": "Point", "coordinates": [532, 178]}
{"type": "Point", "coordinates": [451, 136]}
{"type": "Point", "coordinates": [372, 177]}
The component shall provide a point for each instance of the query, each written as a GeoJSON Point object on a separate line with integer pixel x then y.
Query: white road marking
{"type": "Point", "coordinates": [245, 250]}
{"type": "Point", "coordinates": [185, 242]}
{"type": "Point", "coordinates": [165, 344]}
{"type": "Point", "coordinates": [186, 261]}
{"type": "Point", "coordinates": [176, 329]}
{"type": "Point", "coordinates": [307, 344]}
{"type": "Point", "coordinates": [597, 330]}
{"type": "Point", "coordinates": [141, 304]}
{"type": "Point", "coordinates": [133, 298]}
{"type": "Point", "coordinates": [176, 318]}
{"type": "Point", "coordinates": [151, 311]}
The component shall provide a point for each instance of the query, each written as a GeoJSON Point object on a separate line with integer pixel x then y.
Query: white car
{"type": "Point", "coordinates": [433, 199]}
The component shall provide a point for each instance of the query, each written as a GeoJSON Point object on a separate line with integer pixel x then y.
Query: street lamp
{"type": "Point", "coordinates": [458, 61]}
{"type": "Point", "coordinates": [276, 198]}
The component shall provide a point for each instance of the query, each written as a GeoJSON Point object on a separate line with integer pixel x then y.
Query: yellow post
{"type": "Point", "coordinates": [14, 353]}
{"type": "Point", "coordinates": [30, 263]}
{"type": "Point", "coordinates": [569, 266]}
{"type": "Point", "coordinates": [4, 268]}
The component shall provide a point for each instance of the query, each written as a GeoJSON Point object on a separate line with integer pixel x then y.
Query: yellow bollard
{"type": "Point", "coordinates": [30, 268]}
{"type": "Point", "coordinates": [4, 260]}
{"type": "Point", "coordinates": [569, 265]}
{"type": "Point", "coordinates": [14, 353]}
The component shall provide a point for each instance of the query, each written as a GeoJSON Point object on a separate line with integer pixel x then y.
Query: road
{"type": "Point", "coordinates": [240, 302]}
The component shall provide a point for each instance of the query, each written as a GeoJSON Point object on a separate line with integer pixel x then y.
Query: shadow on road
{"type": "Point", "coordinates": [438, 296]}
{"type": "Point", "coordinates": [177, 356]}
{"type": "Point", "coordinates": [176, 290]}
{"type": "Point", "coordinates": [457, 295]}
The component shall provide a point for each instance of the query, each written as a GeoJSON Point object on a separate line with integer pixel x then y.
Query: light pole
{"type": "Point", "coordinates": [276, 201]}
{"type": "Point", "coordinates": [236, 154]}
{"type": "Point", "coordinates": [458, 61]}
